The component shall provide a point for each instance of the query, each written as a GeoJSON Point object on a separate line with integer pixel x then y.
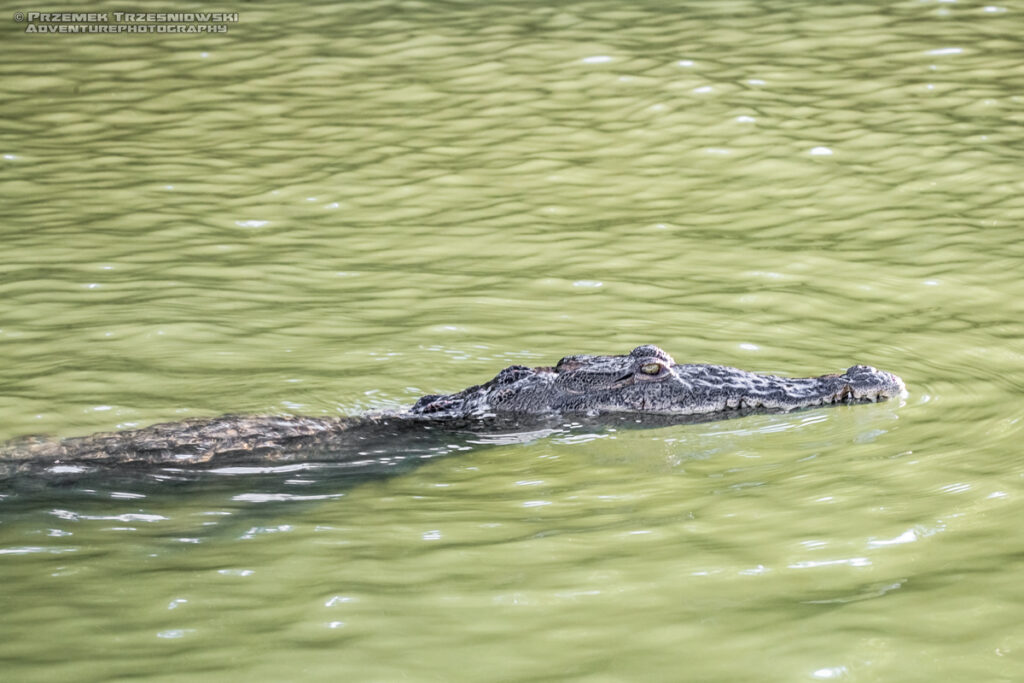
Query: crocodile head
{"type": "Point", "coordinates": [647, 381]}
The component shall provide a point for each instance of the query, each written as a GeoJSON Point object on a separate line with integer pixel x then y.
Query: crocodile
{"type": "Point", "coordinates": [645, 384]}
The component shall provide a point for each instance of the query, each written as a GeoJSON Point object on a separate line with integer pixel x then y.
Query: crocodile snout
{"type": "Point", "coordinates": [865, 383]}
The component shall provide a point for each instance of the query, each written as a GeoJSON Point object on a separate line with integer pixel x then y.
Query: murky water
{"type": "Point", "coordinates": [342, 207]}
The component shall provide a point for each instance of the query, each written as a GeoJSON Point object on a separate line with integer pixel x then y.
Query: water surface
{"type": "Point", "coordinates": [338, 208]}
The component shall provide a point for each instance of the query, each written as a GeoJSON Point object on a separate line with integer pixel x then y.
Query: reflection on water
{"type": "Point", "coordinates": [342, 208]}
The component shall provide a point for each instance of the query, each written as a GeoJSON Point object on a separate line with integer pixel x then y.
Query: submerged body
{"type": "Point", "coordinates": [645, 383]}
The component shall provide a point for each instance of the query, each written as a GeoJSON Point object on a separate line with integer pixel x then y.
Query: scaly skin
{"type": "Point", "coordinates": [646, 382]}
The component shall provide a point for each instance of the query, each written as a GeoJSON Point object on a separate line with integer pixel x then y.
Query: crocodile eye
{"type": "Point", "coordinates": [650, 368]}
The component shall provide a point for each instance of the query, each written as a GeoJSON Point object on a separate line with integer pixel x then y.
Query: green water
{"type": "Point", "coordinates": [338, 208]}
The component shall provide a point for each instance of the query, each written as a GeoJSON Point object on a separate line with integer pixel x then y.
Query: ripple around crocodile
{"type": "Point", "coordinates": [644, 386]}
